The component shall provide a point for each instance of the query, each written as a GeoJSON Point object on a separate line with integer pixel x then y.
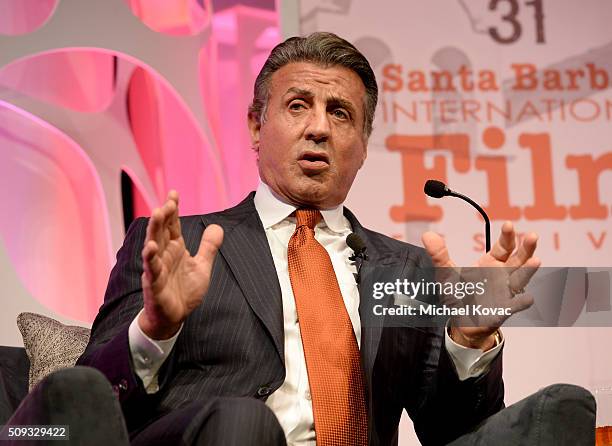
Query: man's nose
{"type": "Point", "coordinates": [318, 128]}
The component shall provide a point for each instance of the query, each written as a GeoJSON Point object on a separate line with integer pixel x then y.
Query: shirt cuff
{"type": "Point", "coordinates": [148, 354]}
{"type": "Point", "coordinates": [471, 362]}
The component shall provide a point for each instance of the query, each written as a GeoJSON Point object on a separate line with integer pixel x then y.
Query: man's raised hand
{"type": "Point", "coordinates": [518, 267]}
{"type": "Point", "coordinates": [173, 282]}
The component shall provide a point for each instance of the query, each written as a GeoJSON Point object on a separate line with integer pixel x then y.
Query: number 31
{"type": "Point", "coordinates": [511, 19]}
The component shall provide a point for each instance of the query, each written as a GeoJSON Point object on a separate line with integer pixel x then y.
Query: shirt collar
{"type": "Point", "coordinates": [273, 210]}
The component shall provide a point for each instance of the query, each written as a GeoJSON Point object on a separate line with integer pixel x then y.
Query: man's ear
{"type": "Point", "coordinates": [365, 154]}
{"type": "Point", "coordinates": [254, 130]}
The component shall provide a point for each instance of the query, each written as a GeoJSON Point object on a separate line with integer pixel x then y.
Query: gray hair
{"type": "Point", "coordinates": [326, 49]}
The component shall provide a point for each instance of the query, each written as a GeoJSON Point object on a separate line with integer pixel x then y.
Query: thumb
{"type": "Point", "coordinates": [436, 247]}
{"type": "Point", "coordinates": [210, 243]}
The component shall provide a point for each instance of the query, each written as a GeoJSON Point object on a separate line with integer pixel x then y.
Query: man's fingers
{"type": "Point", "coordinates": [524, 252]}
{"type": "Point", "coordinates": [150, 249]}
{"type": "Point", "coordinates": [171, 215]}
{"type": "Point", "coordinates": [505, 244]}
{"type": "Point", "coordinates": [146, 283]}
{"type": "Point", "coordinates": [436, 247]}
{"type": "Point", "coordinates": [164, 224]}
{"type": "Point", "coordinates": [151, 262]}
{"type": "Point", "coordinates": [521, 276]}
{"type": "Point", "coordinates": [169, 212]}
{"type": "Point", "coordinates": [155, 226]}
{"type": "Point", "coordinates": [174, 196]}
{"type": "Point", "coordinates": [210, 243]}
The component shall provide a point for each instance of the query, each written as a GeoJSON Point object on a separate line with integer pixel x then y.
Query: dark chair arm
{"type": "Point", "coordinates": [14, 369]}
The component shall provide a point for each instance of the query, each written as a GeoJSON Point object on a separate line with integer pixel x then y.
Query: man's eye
{"type": "Point", "coordinates": [296, 106]}
{"type": "Point", "coordinates": [340, 114]}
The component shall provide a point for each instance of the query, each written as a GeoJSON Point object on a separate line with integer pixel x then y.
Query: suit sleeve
{"type": "Point", "coordinates": [447, 407]}
{"type": "Point", "coordinates": [108, 349]}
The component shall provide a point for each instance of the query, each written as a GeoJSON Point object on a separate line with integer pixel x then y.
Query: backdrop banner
{"type": "Point", "coordinates": [506, 101]}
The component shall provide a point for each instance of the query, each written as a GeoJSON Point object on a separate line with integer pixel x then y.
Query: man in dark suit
{"type": "Point", "coordinates": [206, 331]}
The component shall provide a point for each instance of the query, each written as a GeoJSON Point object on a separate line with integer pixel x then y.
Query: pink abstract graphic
{"type": "Point", "coordinates": [74, 116]}
{"type": "Point", "coordinates": [78, 80]}
{"type": "Point", "coordinates": [176, 18]}
{"type": "Point", "coordinates": [55, 225]}
{"type": "Point", "coordinates": [241, 40]}
{"type": "Point", "coordinates": [24, 16]}
{"type": "Point", "coordinates": [174, 151]}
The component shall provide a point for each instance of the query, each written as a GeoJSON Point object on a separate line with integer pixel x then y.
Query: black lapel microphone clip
{"type": "Point", "coordinates": [359, 255]}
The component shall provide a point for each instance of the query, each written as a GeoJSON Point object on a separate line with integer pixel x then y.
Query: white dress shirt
{"type": "Point", "coordinates": [291, 402]}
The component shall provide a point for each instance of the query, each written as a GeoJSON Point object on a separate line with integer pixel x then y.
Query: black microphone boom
{"type": "Point", "coordinates": [437, 189]}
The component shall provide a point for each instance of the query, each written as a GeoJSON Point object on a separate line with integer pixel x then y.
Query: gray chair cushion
{"type": "Point", "coordinates": [50, 344]}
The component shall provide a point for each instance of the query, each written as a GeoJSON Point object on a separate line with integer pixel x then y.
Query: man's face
{"type": "Point", "coordinates": [311, 143]}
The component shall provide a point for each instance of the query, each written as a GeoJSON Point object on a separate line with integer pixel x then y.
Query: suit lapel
{"type": "Point", "coordinates": [371, 327]}
{"type": "Point", "coordinates": [246, 250]}
{"type": "Point", "coordinates": [370, 332]}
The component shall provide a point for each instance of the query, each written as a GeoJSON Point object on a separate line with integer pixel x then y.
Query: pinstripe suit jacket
{"type": "Point", "coordinates": [232, 344]}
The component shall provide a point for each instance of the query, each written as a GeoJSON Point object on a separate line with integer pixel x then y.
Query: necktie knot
{"type": "Point", "coordinates": [307, 217]}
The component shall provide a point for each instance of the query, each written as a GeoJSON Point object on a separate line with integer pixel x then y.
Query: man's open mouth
{"type": "Point", "coordinates": [313, 162]}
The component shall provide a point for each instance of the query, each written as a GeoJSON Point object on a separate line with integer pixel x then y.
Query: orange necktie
{"type": "Point", "coordinates": [332, 354]}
